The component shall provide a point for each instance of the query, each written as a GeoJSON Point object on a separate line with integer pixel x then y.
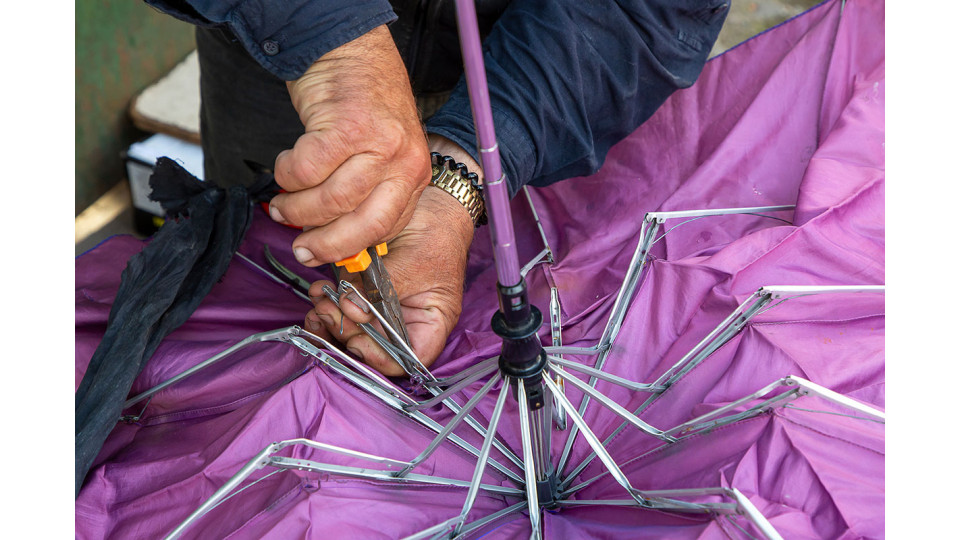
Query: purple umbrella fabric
{"type": "Point", "coordinates": [793, 116]}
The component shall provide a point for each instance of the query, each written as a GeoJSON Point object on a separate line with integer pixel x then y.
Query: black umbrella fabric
{"type": "Point", "coordinates": [160, 287]}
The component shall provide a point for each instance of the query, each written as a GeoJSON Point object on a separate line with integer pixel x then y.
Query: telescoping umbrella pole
{"type": "Point", "coordinates": [522, 359]}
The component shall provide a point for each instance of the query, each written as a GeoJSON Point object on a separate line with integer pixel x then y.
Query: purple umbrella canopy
{"type": "Point", "coordinates": [713, 318]}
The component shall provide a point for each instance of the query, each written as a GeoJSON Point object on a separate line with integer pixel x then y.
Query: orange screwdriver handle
{"type": "Point", "coordinates": [360, 261]}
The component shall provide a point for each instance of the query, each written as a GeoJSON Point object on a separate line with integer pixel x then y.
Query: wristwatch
{"type": "Point", "coordinates": [463, 185]}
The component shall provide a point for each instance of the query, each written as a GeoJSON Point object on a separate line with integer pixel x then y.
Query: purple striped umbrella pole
{"type": "Point", "coordinates": [495, 192]}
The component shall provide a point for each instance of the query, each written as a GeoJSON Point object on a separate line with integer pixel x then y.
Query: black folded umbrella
{"type": "Point", "coordinates": [160, 288]}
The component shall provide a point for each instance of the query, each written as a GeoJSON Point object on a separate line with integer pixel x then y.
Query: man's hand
{"type": "Point", "coordinates": [355, 175]}
{"type": "Point", "coordinates": [426, 263]}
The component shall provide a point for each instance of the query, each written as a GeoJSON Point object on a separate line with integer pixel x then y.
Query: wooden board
{"type": "Point", "coordinates": [172, 104]}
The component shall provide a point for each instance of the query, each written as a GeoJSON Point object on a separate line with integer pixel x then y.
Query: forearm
{"type": "Point", "coordinates": [569, 79]}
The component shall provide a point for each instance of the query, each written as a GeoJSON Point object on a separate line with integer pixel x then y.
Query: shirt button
{"type": "Point", "coordinates": [270, 47]}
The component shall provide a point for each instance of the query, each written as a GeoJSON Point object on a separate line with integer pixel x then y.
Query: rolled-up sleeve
{"type": "Point", "coordinates": [285, 36]}
{"type": "Point", "coordinates": [569, 79]}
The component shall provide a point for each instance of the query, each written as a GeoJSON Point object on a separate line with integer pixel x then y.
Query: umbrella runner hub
{"type": "Point", "coordinates": [521, 356]}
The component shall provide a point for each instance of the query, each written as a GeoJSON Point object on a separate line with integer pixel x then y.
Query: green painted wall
{"type": "Point", "coordinates": [122, 47]}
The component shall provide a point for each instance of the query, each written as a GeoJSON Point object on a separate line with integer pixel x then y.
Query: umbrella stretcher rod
{"type": "Point", "coordinates": [796, 387]}
{"type": "Point", "coordinates": [757, 303]}
{"type": "Point", "coordinates": [267, 458]}
{"type": "Point", "coordinates": [546, 254]}
{"type": "Point", "coordinates": [405, 356]}
{"type": "Point", "coordinates": [648, 237]}
{"type": "Point", "coordinates": [536, 463]}
{"type": "Point", "coordinates": [522, 358]}
{"type": "Point", "coordinates": [541, 487]}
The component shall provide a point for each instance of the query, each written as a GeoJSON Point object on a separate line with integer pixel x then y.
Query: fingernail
{"type": "Point", "coordinates": [302, 254]}
{"type": "Point", "coordinates": [276, 215]}
{"type": "Point", "coordinates": [327, 320]}
{"type": "Point", "coordinates": [312, 325]}
{"type": "Point", "coordinates": [357, 302]}
{"type": "Point", "coordinates": [355, 352]}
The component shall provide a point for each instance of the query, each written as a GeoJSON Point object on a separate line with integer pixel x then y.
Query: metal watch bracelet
{"type": "Point", "coordinates": [463, 185]}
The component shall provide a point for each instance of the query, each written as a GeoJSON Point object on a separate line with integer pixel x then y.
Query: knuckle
{"type": "Point", "coordinates": [290, 213]}
{"type": "Point", "coordinates": [352, 130]}
{"type": "Point", "coordinates": [417, 170]}
{"type": "Point", "coordinates": [327, 313]}
{"type": "Point", "coordinates": [399, 196]}
{"type": "Point", "coordinates": [392, 139]}
{"type": "Point", "coordinates": [283, 172]}
{"type": "Point", "coordinates": [380, 226]}
{"type": "Point", "coordinates": [328, 250]}
{"type": "Point", "coordinates": [303, 171]}
{"type": "Point", "coordinates": [422, 172]}
{"type": "Point", "coordinates": [312, 242]}
{"type": "Point", "coordinates": [337, 202]}
{"type": "Point", "coordinates": [295, 212]}
{"type": "Point", "coordinates": [339, 141]}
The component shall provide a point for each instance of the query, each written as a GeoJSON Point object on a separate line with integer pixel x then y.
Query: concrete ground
{"type": "Point", "coordinates": [113, 214]}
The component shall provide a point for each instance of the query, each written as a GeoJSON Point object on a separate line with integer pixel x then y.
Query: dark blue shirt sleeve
{"type": "Point", "coordinates": [570, 78]}
{"type": "Point", "coordinates": [285, 36]}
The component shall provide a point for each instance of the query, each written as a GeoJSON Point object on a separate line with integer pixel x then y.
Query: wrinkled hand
{"type": "Point", "coordinates": [426, 263]}
{"type": "Point", "coordinates": [355, 175]}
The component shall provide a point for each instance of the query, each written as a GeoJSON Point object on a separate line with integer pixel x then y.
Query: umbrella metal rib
{"type": "Point", "coordinates": [797, 387]}
{"type": "Point", "coordinates": [536, 463]}
{"type": "Point", "coordinates": [720, 335]}
{"type": "Point", "coordinates": [267, 458]}
{"type": "Point", "coordinates": [459, 376]}
{"type": "Point", "coordinates": [530, 468]}
{"type": "Point", "coordinates": [450, 427]}
{"type": "Point", "coordinates": [648, 232]}
{"type": "Point", "coordinates": [543, 483]}
{"type": "Point", "coordinates": [546, 255]}
{"type": "Point", "coordinates": [404, 356]}
{"type": "Point", "coordinates": [484, 452]}
{"type": "Point", "coordinates": [556, 338]}
{"type": "Point", "coordinates": [625, 295]}
{"type": "Point", "coordinates": [419, 373]}
{"type": "Point", "coordinates": [452, 389]}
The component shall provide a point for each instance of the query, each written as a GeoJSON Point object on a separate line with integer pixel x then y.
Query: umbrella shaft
{"type": "Point", "coordinates": [496, 193]}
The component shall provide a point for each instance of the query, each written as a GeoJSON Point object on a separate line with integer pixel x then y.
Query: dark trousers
{"type": "Point", "coordinates": [245, 111]}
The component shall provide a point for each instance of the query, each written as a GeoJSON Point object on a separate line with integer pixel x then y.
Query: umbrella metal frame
{"type": "Point", "coordinates": [535, 459]}
{"type": "Point", "coordinates": [534, 375]}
